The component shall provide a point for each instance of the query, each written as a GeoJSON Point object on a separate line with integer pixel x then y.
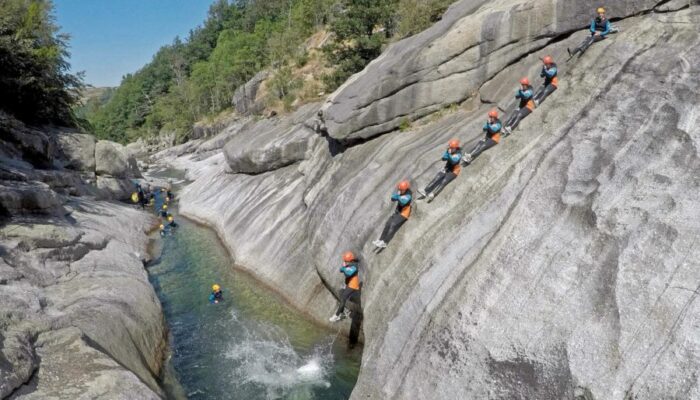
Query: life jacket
{"type": "Point", "coordinates": [455, 168]}
{"type": "Point", "coordinates": [493, 131]}
{"type": "Point", "coordinates": [554, 80]}
{"type": "Point", "coordinates": [601, 24]}
{"type": "Point", "coordinates": [405, 210]}
{"type": "Point", "coordinates": [527, 102]}
{"type": "Point", "coordinates": [353, 281]}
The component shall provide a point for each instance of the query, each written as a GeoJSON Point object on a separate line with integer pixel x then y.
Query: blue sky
{"type": "Point", "coordinates": [110, 38]}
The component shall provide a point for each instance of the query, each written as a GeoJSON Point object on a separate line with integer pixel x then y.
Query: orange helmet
{"type": "Point", "coordinates": [404, 185]}
{"type": "Point", "coordinates": [454, 144]}
{"type": "Point", "coordinates": [493, 113]}
{"type": "Point", "coordinates": [548, 60]}
{"type": "Point", "coordinates": [524, 81]}
{"type": "Point", "coordinates": [348, 256]}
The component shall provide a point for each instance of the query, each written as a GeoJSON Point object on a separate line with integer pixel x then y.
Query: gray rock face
{"type": "Point", "coordinates": [561, 264]}
{"type": "Point", "coordinates": [244, 97]}
{"type": "Point", "coordinates": [27, 197]}
{"type": "Point", "coordinates": [272, 143]}
{"type": "Point", "coordinates": [448, 63]}
{"type": "Point", "coordinates": [78, 317]}
{"type": "Point", "coordinates": [79, 151]}
{"type": "Point", "coordinates": [112, 159]}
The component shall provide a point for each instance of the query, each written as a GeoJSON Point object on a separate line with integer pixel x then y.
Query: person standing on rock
{"type": "Point", "coordinates": [525, 94]}
{"type": "Point", "coordinates": [351, 291]}
{"type": "Point", "coordinates": [452, 156]}
{"type": "Point", "coordinates": [551, 81]}
{"type": "Point", "coordinates": [492, 132]}
{"type": "Point", "coordinates": [403, 197]}
{"type": "Point", "coordinates": [600, 28]}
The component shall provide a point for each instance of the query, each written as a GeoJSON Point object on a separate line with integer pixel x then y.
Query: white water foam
{"type": "Point", "coordinates": [266, 359]}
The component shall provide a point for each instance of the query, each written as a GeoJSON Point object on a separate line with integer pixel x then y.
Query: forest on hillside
{"type": "Point", "coordinates": [195, 77]}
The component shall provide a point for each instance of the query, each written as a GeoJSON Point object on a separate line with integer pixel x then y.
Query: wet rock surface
{"type": "Point", "coordinates": [560, 264]}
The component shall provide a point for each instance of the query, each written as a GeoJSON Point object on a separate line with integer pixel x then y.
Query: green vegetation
{"type": "Point", "coordinates": [417, 15]}
{"type": "Point", "coordinates": [195, 78]}
{"type": "Point", "coordinates": [35, 84]}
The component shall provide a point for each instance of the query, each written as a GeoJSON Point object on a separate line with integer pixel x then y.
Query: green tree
{"type": "Point", "coordinates": [415, 16]}
{"type": "Point", "coordinates": [361, 29]}
{"type": "Point", "coordinates": [35, 82]}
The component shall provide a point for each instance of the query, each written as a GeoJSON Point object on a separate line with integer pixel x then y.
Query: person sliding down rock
{"type": "Point", "coordinates": [452, 156]}
{"type": "Point", "coordinates": [600, 28]}
{"type": "Point", "coordinates": [402, 196]}
{"type": "Point", "coordinates": [216, 295]}
{"type": "Point", "coordinates": [551, 82]}
{"type": "Point", "coordinates": [351, 291]}
{"type": "Point", "coordinates": [525, 94]}
{"type": "Point", "coordinates": [492, 131]}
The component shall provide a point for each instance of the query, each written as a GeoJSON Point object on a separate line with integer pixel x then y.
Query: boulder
{"type": "Point", "coordinates": [272, 143]}
{"type": "Point", "coordinates": [28, 198]}
{"type": "Point", "coordinates": [114, 188]}
{"type": "Point", "coordinates": [78, 150]}
{"type": "Point", "coordinates": [112, 160]}
{"type": "Point", "coordinates": [244, 97]}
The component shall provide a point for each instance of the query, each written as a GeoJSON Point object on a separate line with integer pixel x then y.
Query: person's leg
{"type": "Point", "coordinates": [524, 112]}
{"type": "Point", "coordinates": [392, 226]}
{"type": "Point", "coordinates": [485, 145]}
{"type": "Point", "coordinates": [344, 296]}
{"type": "Point", "coordinates": [547, 91]}
{"type": "Point", "coordinates": [449, 177]}
{"type": "Point", "coordinates": [436, 181]}
{"type": "Point", "coordinates": [583, 46]}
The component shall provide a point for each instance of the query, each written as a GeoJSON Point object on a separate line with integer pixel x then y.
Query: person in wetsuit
{"type": "Point", "coordinates": [452, 156]}
{"type": "Point", "coordinates": [403, 197]}
{"type": "Point", "coordinates": [351, 291]}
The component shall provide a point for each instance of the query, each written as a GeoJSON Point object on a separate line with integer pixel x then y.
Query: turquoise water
{"type": "Point", "coordinates": [251, 346]}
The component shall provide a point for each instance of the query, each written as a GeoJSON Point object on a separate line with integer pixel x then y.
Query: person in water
{"type": "Point", "coordinates": [171, 222]}
{"type": "Point", "coordinates": [164, 230]}
{"type": "Point", "coordinates": [216, 295]}
{"type": "Point", "coordinates": [164, 211]}
{"type": "Point", "coordinates": [352, 285]}
{"type": "Point", "coordinates": [402, 196]}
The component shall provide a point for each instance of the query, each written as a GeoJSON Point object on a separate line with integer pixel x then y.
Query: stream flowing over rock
{"type": "Point", "coordinates": [563, 263]}
{"type": "Point", "coordinates": [78, 316]}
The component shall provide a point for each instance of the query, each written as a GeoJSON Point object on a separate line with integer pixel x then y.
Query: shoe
{"type": "Point", "coordinates": [537, 103]}
{"type": "Point", "coordinates": [431, 196]}
{"type": "Point", "coordinates": [375, 243]}
{"type": "Point", "coordinates": [507, 131]}
{"type": "Point", "coordinates": [421, 193]}
{"type": "Point", "coordinates": [334, 318]}
{"type": "Point", "coordinates": [467, 158]}
{"type": "Point", "coordinates": [381, 244]}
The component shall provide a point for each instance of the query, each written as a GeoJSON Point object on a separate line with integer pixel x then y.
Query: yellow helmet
{"type": "Point", "coordinates": [165, 206]}
{"type": "Point", "coordinates": [135, 197]}
{"type": "Point", "coordinates": [170, 218]}
{"type": "Point", "coordinates": [215, 287]}
{"type": "Point", "coordinates": [600, 10]}
{"type": "Point", "coordinates": [162, 226]}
